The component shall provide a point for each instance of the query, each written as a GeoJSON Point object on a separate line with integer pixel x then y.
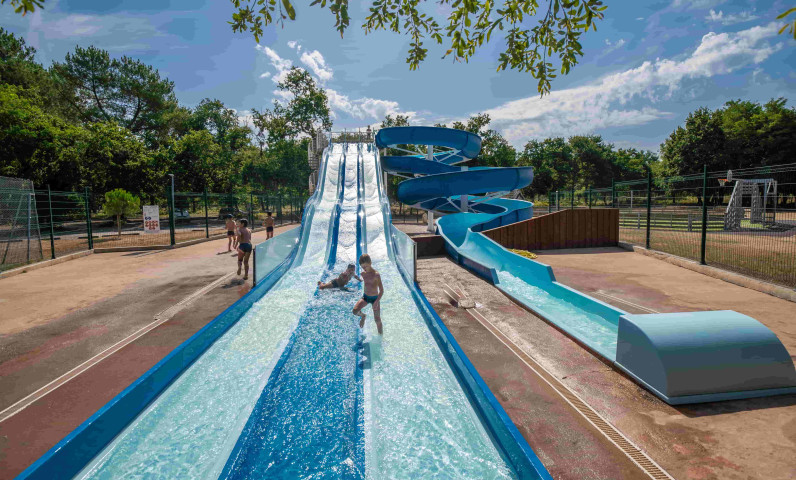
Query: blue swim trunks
{"type": "Point", "coordinates": [370, 298]}
{"type": "Point", "coordinates": [245, 247]}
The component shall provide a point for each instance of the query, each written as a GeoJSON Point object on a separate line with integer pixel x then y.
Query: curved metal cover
{"type": "Point", "coordinates": [699, 353]}
{"type": "Point", "coordinates": [468, 143]}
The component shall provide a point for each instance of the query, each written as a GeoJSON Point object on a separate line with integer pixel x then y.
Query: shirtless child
{"type": "Point", "coordinates": [373, 292]}
{"type": "Point", "coordinates": [244, 247]}
{"type": "Point", "coordinates": [341, 280]}
{"type": "Point", "coordinates": [229, 223]}
{"type": "Point", "coordinates": [269, 226]}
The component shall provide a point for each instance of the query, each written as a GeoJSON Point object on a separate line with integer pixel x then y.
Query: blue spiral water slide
{"type": "Point", "coordinates": [688, 357]}
{"type": "Point", "coordinates": [284, 384]}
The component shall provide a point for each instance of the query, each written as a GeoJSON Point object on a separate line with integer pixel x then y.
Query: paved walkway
{"type": "Point", "coordinates": [58, 318]}
{"type": "Point", "coordinates": [742, 439]}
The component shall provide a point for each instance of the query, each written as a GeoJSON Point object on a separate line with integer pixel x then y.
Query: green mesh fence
{"type": "Point", "coordinates": [749, 217]}
{"type": "Point", "coordinates": [20, 236]}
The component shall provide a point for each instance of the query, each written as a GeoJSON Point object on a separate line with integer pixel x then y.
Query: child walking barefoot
{"type": "Point", "coordinates": [373, 292]}
{"type": "Point", "coordinates": [244, 247]}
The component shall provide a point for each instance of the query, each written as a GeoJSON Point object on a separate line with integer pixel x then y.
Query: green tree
{"type": "Point", "coordinates": [123, 90]}
{"type": "Point", "coordinates": [120, 203]}
{"type": "Point", "coordinates": [305, 113]}
{"type": "Point", "coordinates": [35, 144]}
{"type": "Point", "coordinates": [468, 27]}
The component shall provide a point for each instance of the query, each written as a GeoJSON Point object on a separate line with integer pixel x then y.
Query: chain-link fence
{"type": "Point", "coordinates": [40, 225]}
{"type": "Point", "coordinates": [20, 235]}
{"type": "Point", "coordinates": [742, 220]}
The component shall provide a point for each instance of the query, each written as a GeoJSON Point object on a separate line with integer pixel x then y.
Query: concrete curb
{"type": "Point", "coordinates": [46, 263]}
{"type": "Point", "coordinates": [731, 277]}
{"type": "Point", "coordinates": [179, 245]}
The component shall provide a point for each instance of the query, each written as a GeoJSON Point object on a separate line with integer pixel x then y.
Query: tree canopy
{"type": "Point", "coordinates": [741, 134]}
{"type": "Point", "coordinates": [542, 48]}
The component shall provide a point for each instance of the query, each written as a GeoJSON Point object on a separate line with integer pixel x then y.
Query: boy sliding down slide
{"type": "Point", "coordinates": [373, 292]}
{"type": "Point", "coordinates": [341, 280]}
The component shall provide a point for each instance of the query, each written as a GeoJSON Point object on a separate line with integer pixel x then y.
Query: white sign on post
{"type": "Point", "coordinates": [151, 219]}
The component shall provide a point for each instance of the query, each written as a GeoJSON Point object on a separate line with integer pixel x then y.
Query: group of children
{"type": "Point", "coordinates": [372, 291]}
{"type": "Point", "coordinates": [240, 238]}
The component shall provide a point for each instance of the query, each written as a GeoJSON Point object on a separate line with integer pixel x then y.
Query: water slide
{"type": "Point", "coordinates": [284, 384]}
{"type": "Point", "coordinates": [688, 357]}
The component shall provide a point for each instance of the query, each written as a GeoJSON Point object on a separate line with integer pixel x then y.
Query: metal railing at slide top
{"type": "Point", "coordinates": [747, 223]}
{"type": "Point", "coordinates": [44, 224]}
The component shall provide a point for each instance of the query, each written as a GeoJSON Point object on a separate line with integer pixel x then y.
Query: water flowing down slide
{"type": "Point", "coordinates": [284, 384]}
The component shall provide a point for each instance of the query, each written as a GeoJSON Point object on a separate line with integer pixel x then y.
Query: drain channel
{"type": "Point", "coordinates": [641, 459]}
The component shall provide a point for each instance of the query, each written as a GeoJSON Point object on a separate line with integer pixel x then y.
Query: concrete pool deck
{"type": "Point", "coordinates": [726, 440]}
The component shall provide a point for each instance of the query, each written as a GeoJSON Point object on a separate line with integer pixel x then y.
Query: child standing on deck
{"type": "Point", "coordinates": [244, 247]}
{"type": "Point", "coordinates": [373, 292]}
{"type": "Point", "coordinates": [229, 223]}
{"type": "Point", "coordinates": [269, 226]}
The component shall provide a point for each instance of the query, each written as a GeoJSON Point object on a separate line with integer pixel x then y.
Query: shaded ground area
{"type": "Point", "coordinates": [59, 317]}
{"type": "Point", "coordinates": [727, 440]}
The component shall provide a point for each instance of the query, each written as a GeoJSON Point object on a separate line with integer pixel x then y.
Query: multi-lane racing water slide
{"type": "Point", "coordinates": [687, 357]}
{"type": "Point", "coordinates": [284, 384]}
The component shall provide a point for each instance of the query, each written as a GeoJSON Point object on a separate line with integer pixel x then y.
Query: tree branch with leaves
{"type": "Point", "coordinates": [541, 48]}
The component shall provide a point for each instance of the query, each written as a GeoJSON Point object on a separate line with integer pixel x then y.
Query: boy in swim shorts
{"type": "Point", "coordinates": [269, 226]}
{"type": "Point", "coordinates": [341, 280]}
{"type": "Point", "coordinates": [373, 292]}
{"type": "Point", "coordinates": [229, 223]}
{"type": "Point", "coordinates": [244, 247]}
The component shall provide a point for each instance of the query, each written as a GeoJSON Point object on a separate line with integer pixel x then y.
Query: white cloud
{"type": "Point", "coordinates": [283, 95]}
{"type": "Point", "coordinates": [365, 107]}
{"type": "Point", "coordinates": [292, 44]}
{"type": "Point", "coordinates": [282, 65]}
{"type": "Point", "coordinates": [601, 104]}
{"type": "Point", "coordinates": [614, 46]}
{"type": "Point", "coordinates": [315, 61]}
{"type": "Point", "coordinates": [265, 75]}
{"type": "Point", "coordinates": [720, 17]}
{"type": "Point", "coordinates": [697, 4]}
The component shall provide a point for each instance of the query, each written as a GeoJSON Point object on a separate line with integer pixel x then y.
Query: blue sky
{"type": "Point", "coordinates": [648, 65]}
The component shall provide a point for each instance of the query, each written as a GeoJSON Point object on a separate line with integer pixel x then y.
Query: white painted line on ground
{"type": "Point", "coordinates": [621, 300]}
{"type": "Point", "coordinates": [160, 319]}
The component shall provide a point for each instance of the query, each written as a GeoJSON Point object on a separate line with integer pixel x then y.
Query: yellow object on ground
{"type": "Point", "coordinates": [523, 253]}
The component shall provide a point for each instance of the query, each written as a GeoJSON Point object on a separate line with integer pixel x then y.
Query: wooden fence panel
{"type": "Point", "coordinates": [596, 227]}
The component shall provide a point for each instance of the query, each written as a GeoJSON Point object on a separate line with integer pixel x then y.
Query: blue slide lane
{"type": "Point", "coordinates": [308, 421]}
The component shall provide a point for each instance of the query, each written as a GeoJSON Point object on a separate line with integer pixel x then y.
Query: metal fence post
{"type": "Point", "coordinates": [649, 204]}
{"type": "Point", "coordinates": [613, 193]}
{"type": "Point", "coordinates": [588, 198]}
{"type": "Point", "coordinates": [52, 229]}
{"type": "Point", "coordinates": [207, 218]}
{"type": "Point", "coordinates": [171, 214]}
{"type": "Point", "coordinates": [572, 199]}
{"type": "Point", "coordinates": [88, 220]}
{"type": "Point", "coordinates": [704, 215]}
{"type": "Point", "coordinates": [251, 210]}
